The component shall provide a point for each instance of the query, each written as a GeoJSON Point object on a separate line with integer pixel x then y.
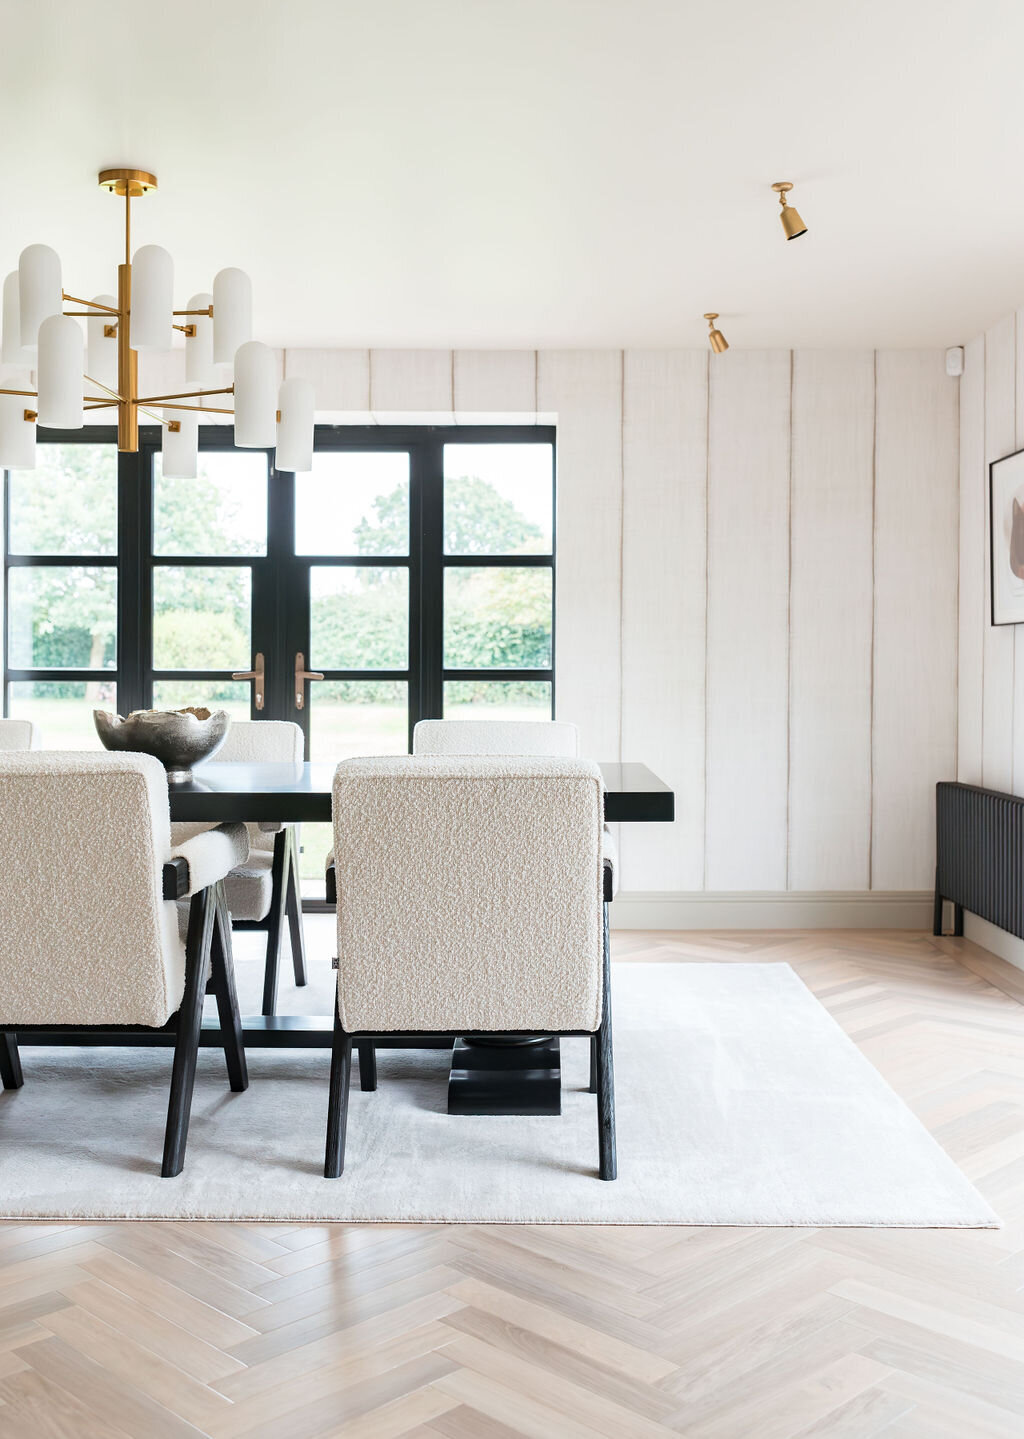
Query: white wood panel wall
{"type": "Point", "coordinates": [973, 599]}
{"type": "Point", "coordinates": [914, 691]}
{"type": "Point", "coordinates": [831, 629]}
{"type": "Point", "coordinates": [584, 389]}
{"type": "Point", "coordinates": [1000, 432]}
{"type": "Point", "coordinates": [664, 577]}
{"type": "Point", "coordinates": [770, 536]}
{"type": "Point", "coordinates": [747, 713]}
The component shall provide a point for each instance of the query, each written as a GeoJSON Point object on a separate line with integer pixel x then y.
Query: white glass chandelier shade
{"type": "Point", "coordinates": [255, 394]}
{"type": "Point", "coordinates": [232, 314]}
{"type": "Point", "coordinates": [180, 457]}
{"type": "Point", "coordinates": [199, 347]}
{"type": "Point", "coordinates": [40, 292]}
{"type": "Point", "coordinates": [61, 353]}
{"type": "Point", "coordinates": [152, 323]}
{"type": "Point", "coordinates": [13, 352]}
{"type": "Point", "coordinates": [296, 403]}
{"type": "Point", "coordinates": [17, 435]}
{"type": "Point", "coordinates": [101, 349]}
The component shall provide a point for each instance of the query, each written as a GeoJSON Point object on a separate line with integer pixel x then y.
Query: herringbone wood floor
{"type": "Point", "coordinates": [161, 1331]}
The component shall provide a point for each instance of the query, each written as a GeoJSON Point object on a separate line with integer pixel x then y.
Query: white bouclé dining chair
{"type": "Point", "coordinates": [18, 734]}
{"type": "Point", "coordinates": [265, 891]}
{"type": "Point", "coordinates": [90, 887]}
{"type": "Point", "coordinates": [470, 900]}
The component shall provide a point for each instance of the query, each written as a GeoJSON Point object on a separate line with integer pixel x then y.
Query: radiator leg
{"type": "Point", "coordinates": [958, 920]}
{"type": "Point", "coordinates": [937, 912]}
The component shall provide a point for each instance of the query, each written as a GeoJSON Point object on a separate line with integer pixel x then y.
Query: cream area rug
{"type": "Point", "coordinates": [740, 1102]}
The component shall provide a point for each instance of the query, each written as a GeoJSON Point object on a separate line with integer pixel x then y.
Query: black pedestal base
{"type": "Point", "coordinates": [505, 1079]}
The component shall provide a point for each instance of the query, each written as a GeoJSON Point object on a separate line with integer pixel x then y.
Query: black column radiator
{"type": "Point", "coordinates": [979, 856]}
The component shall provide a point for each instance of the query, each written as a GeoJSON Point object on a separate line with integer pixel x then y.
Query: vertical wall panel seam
{"type": "Point", "coordinates": [874, 620]}
{"type": "Point", "coordinates": [707, 591]}
{"type": "Point", "coordinates": [789, 640]}
{"type": "Point", "coordinates": [369, 383]}
{"type": "Point", "coordinates": [622, 539]}
{"type": "Point", "coordinates": [956, 668]}
{"type": "Point", "coordinates": [1013, 647]}
{"type": "Point", "coordinates": [985, 533]}
{"type": "Point", "coordinates": [451, 380]}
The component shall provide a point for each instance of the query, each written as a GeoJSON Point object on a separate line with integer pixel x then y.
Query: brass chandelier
{"type": "Point", "coordinates": [43, 336]}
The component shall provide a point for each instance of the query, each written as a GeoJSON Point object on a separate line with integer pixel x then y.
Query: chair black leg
{"type": "Point", "coordinates": [10, 1062]}
{"type": "Point", "coordinates": [592, 1086]}
{"type": "Point", "coordinates": [367, 1064]}
{"type": "Point", "coordinates": [189, 1023]}
{"type": "Point", "coordinates": [606, 1072]}
{"type": "Point", "coordinates": [293, 906]}
{"type": "Point", "coordinates": [337, 1112]}
{"type": "Point", "coordinates": [222, 979]}
{"type": "Point", "coordinates": [275, 921]}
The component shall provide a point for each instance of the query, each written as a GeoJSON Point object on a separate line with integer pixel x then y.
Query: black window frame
{"type": "Point", "coordinates": [280, 590]}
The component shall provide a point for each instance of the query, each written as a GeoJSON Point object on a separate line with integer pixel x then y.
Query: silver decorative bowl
{"type": "Point", "coordinates": [179, 739]}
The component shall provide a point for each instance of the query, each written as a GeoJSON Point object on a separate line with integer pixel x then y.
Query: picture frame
{"type": "Point", "coordinates": [1006, 538]}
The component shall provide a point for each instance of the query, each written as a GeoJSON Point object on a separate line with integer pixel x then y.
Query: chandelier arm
{"type": "Point", "coordinates": [117, 398]}
{"type": "Point", "coordinates": [94, 304]}
{"type": "Point", "coordinates": [98, 405]}
{"type": "Point", "coordinates": [200, 409]}
{"type": "Point", "coordinates": [183, 395]}
{"type": "Point", "coordinates": [208, 312]}
{"type": "Point", "coordinates": [34, 394]}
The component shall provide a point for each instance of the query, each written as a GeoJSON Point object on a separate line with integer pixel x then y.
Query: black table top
{"type": "Point", "coordinates": [302, 794]}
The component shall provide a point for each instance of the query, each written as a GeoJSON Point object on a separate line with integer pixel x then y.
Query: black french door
{"type": "Point", "coordinates": [409, 576]}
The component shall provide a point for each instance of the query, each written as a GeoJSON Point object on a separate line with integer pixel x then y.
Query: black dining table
{"type": "Point", "coordinates": [508, 1079]}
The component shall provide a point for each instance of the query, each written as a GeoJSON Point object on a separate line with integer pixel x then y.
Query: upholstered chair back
{"type": "Point", "coordinates": [540, 737]}
{"type": "Point", "coordinates": [469, 893]}
{"type": "Point", "coordinates": [262, 742]}
{"type": "Point", "coordinates": [18, 734]}
{"type": "Point", "coordinates": [85, 935]}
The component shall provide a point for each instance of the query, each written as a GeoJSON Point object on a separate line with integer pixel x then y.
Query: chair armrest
{"type": "Point", "coordinates": [208, 857]}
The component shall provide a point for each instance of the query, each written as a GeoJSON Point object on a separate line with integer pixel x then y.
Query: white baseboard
{"type": "Point", "coordinates": [770, 909]}
{"type": "Point", "coordinates": [1006, 946]}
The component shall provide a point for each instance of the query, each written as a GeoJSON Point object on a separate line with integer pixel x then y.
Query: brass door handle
{"type": "Point", "coordinates": [302, 674]}
{"type": "Point", "coordinates": [256, 674]}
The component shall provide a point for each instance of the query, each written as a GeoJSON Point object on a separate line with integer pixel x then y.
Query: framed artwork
{"type": "Point", "coordinates": [1006, 492]}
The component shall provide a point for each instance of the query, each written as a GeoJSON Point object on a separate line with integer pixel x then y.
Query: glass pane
{"type": "Point", "coordinates": [359, 617]}
{"type": "Point", "coordinates": [498, 499]}
{"type": "Point", "coordinates": [497, 700]}
{"type": "Point", "coordinates": [353, 504]}
{"type": "Point", "coordinates": [202, 617]}
{"type": "Point", "coordinates": [346, 718]}
{"type": "Point", "coordinates": [63, 710]}
{"type": "Point", "coordinates": [67, 505]}
{"type": "Point", "coordinates": [62, 617]}
{"type": "Point", "coordinates": [230, 695]}
{"type": "Point", "coordinates": [497, 618]}
{"type": "Point", "coordinates": [223, 511]}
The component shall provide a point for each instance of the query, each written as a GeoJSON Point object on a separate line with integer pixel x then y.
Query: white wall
{"type": "Point", "coordinates": [990, 746]}
{"type": "Point", "coordinates": [757, 596]}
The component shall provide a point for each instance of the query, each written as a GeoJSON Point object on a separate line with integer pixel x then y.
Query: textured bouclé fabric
{"type": "Point", "coordinates": [469, 893]}
{"type": "Point", "coordinates": [87, 937]}
{"type": "Point", "coordinates": [548, 737]}
{"type": "Point", "coordinates": [18, 734]}
{"type": "Point", "coordinates": [554, 738]}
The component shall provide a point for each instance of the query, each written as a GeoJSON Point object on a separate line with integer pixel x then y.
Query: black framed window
{"type": "Point", "coordinates": [413, 568]}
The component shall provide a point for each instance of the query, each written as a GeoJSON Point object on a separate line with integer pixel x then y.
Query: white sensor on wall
{"type": "Point", "coordinates": [955, 361]}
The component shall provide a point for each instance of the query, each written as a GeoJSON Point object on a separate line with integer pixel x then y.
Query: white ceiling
{"type": "Point", "coordinates": [505, 173]}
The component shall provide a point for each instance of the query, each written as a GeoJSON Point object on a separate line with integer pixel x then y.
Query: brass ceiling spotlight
{"type": "Point", "coordinates": [790, 217]}
{"type": "Point", "coordinates": [716, 339]}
